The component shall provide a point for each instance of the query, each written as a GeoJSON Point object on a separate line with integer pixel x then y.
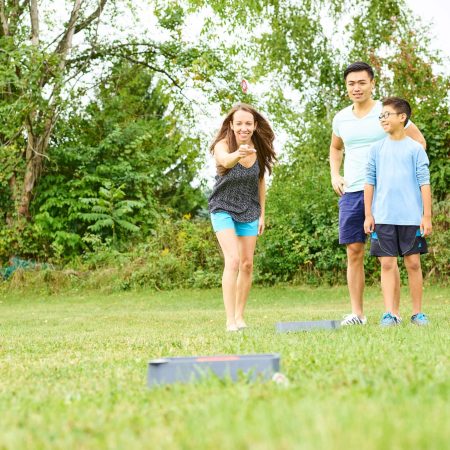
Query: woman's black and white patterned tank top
{"type": "Point", "coordinates": [237, 193]}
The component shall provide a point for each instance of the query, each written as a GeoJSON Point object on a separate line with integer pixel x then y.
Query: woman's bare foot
{"type": "Point", "coordinates": [240, 323]}
{"type": "Point", "coordinates": [232, 327]}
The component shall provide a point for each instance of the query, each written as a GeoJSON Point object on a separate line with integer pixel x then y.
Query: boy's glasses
{"type": "Point", "coordinates": [386, 115]}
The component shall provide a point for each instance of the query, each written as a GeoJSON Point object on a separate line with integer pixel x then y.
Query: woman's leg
{"type": "Point", "coordinates": [229, 244]}
{"type": "Point", "coordinates": [246, 245]}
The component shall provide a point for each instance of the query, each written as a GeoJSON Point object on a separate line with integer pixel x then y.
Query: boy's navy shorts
{"type": "Point", "coordinates": [397, 240]}
{"type": "Point", "coordinates": [351, 218]}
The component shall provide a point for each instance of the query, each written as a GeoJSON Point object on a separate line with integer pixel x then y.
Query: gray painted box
{"type": "Point", "coordinates": [186, 369]}
{"type": "Point", "coordinates": [284, 327]}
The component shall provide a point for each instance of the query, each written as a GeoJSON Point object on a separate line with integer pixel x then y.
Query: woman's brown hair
{"type": "Point", "coordinates": [263, 138]}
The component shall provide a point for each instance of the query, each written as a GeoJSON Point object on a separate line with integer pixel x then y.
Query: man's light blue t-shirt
{"type": "Point", "coordinates": [397, 169]}
{"type": "Point", "coordinates": [358, 135]}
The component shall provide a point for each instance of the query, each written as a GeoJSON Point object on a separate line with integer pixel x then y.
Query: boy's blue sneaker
{"type": "Point", "coordinates": [419, 319]}
{"type": "Point", "coordinates": [388, 320]}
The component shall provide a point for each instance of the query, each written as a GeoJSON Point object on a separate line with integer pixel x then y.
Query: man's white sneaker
{"type": "Point", "coordinates": [353, 319]}
{"type": "Point", "coordinates": [398, 319]}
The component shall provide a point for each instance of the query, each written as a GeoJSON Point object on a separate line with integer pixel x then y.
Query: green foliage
{"type": "Point", "coordinates": [110, 211]}
{"type": "Point", "coordinates": [301, 241]}
{"type": "Point", "coordinates": [435, 264]}
{"type": "Point", "coordinates": [124, 158]}
{"type": "Point", "coordinates": [180, 253]}
{"type": "Point", "coordinates": [127, 157]}
{"type": "Point", "coordinates": [301, 237]}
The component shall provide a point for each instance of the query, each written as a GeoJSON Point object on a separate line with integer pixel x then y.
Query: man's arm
{"type": "Point", "coordinates": [336, 156]}
{"type": "Point", "coordinates": [414, 133]}
{"type": "Point", "coordinates": [425, 224]}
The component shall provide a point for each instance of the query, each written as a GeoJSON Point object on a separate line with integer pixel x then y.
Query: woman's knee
{"type": "Point", "coordinates": [232, 262]}
{"type": "Point", "coordinates": [246, 266]}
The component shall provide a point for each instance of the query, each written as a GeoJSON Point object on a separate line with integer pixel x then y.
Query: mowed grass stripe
{"type": "Point", "coordinates": [73, 372]}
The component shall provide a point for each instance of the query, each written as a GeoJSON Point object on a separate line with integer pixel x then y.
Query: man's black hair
{"type": "Point", "coordinates": [359, 66]}
{"type": "Point", "coordinates": [400, 105]}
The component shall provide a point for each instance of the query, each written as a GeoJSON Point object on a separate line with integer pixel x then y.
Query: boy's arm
{"type": "Point", "coordinates": [371, 179]}
{"type": "Point", "coordinates": [425, 224]}
{"type": "Point", "coordinates": [369, 222]}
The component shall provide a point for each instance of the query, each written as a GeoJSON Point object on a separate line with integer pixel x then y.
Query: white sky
{"type": "Point", "coordinates": [436, 12]}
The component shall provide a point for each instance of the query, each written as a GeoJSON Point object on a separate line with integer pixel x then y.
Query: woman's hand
{"type": "Point", "coordinates": [261, 225]}
{"type": "Point", "coordinates": [245, 150]}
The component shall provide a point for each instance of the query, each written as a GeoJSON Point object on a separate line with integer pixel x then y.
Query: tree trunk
{"type": "Point", "coordinates": [34, 156]}
{"type": "Point", "coordinates": [37, 145]}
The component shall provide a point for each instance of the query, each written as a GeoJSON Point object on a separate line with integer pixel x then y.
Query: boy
{"type": "Point", "coordinates": [397, 198]}
{"type": "Point", "coordinates": [355, 129]}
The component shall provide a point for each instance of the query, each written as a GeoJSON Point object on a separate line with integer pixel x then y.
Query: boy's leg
{"type": "Point", "coordinates": [413, 245]}
{"type": "Point", "coordinates": [389, 283]}
{"type": "Point", "coordinates": [396, 302]}
{"type": "Point", "coordinates": [415, 280]}
{"type": "Point", "coordinates": [384, 245]}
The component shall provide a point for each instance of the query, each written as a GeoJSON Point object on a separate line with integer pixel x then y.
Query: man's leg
{"type": "Point", "coordinates": [351, 233]}
{"type": "Point", "coordinates": [415, 280]}
{"type": "Point", "coordinates": [355, 276]}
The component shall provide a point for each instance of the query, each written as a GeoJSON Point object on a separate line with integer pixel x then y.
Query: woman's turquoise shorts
{"type": "Point", "coordinates": [223, 221]}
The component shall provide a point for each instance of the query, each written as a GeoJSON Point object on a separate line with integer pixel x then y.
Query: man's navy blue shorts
{"type": "Point", "coordinates": [351, 218]}
{"type": "Point", "coordinates": [397, 240]}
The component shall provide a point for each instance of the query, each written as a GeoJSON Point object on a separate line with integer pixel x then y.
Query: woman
{"type": "Point", "coordinates": [243, 150]}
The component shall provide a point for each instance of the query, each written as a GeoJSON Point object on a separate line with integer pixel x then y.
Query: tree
{"type": "Point", "coordinates": [40, 67]}
{"type": "Point", "coordinates": [33, 82]}
{"type": "Point", "coordinates": [298, 57]}
{"type": "Point", "coordinates": [131, 138]}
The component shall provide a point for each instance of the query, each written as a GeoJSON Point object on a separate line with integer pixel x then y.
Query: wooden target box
{"type": "Point", "coordinates": [285, 327]}
{"type": "Point", "coordinates": [186, 369]}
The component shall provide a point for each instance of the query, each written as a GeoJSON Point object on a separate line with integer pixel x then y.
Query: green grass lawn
{"type": "Point", "coordinates": [73, 373]}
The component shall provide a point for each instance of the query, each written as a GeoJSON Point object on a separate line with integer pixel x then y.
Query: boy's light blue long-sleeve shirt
{"type": "Point", "coordinates": [397, 169]}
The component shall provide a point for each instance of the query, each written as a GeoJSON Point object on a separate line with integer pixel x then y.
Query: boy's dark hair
{"type": "Point", "coordinates": [400, 105]}
{"type": "Point", "coordinates": [359, 66]}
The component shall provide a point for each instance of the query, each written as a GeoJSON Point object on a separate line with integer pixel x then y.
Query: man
{"type": "Point", "coordinates": [355, 129]}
